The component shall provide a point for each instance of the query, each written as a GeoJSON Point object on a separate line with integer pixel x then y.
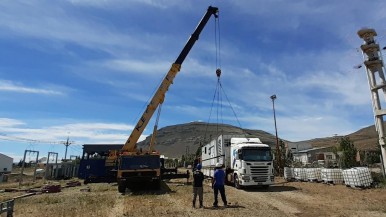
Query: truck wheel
{"type": "Point", "coordinates": [121, 188]}
{"type": "Point", "coordinates": [237, 183]}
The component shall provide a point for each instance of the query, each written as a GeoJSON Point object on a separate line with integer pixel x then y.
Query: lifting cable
{"type": "Point", "coordinates": [217, 97]}
{"type": "Point", "coordinates": [218, 73]}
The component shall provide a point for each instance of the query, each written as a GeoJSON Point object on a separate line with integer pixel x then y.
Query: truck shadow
{"type": "Point", "coordinates": [272, 188]}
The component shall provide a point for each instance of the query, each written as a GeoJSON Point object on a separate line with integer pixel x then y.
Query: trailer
{"type": "Point", "coordinates": [247, 161]}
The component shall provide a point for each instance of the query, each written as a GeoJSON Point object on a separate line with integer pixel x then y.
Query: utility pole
{"type": "Point", "coordinates": [374, 65]}
{"type": "Point", "coordinates": [67, 143]}
{"type": "Point", "coordinates": [278, 152]}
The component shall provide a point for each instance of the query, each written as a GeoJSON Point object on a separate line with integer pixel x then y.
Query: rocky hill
{"type": "Point", "coordinates": [177, 140]}
{"type": "Point", "coordinates": [364, 139]}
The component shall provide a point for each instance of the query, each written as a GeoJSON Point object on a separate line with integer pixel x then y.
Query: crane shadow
{"type": "Point", "coordinates": [149, 190]}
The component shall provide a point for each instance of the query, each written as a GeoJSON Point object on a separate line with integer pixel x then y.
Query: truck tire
{"type": "Point", "coordinates": [236, 180]}
{"type": "Point", "coordinates": [121, 188]}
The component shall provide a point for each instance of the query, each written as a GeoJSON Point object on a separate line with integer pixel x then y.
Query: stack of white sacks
{"type": "Point", "coordinates": [354, 177]}
{"type": "Point", "coordinates": [332, 176]}
{"type": "Point", "coordinates": [357, 177]}
{"type": "Point", "coordinates": [300, 174]}
{"type": "Point", "coordinates": [289, 173]}
{"type": "Point", "coordinates": [314, 174]}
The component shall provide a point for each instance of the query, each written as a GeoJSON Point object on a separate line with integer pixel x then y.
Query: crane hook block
{"type": "Point", "coordinates": [218, 73]}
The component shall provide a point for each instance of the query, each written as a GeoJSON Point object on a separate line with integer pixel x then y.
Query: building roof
{"type": "Point", "coordinates": [5, 156]}
{"type": "Point", "coordinates": [298, 146]}
{"type": "Point", "coordinates": [312, 149]}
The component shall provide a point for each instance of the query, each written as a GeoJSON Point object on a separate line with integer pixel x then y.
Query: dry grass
{"type": "Point", "coordinates": [175, 199]}
{"type": "Point", "coordinates": [70, 202]}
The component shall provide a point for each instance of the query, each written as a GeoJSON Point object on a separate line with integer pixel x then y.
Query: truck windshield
{"type": "Point", "coordinates": [140, 162]}
{"type": "Point", "coordinates": [257, 154]}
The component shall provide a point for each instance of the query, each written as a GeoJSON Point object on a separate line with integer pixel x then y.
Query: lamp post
{"type": "Point", "coordinates": [278, 153]}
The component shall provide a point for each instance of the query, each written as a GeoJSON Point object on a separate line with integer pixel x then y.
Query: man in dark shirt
{"type": "Point", "coordinates": [198, 178]}
{"type": "Point", "coordinates": [218, 185]}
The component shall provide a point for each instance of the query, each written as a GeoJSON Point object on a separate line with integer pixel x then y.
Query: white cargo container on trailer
{"type": "Point", "coordinates": [5, 163]}
{"type": "Point", "coordinates": [247, 161]}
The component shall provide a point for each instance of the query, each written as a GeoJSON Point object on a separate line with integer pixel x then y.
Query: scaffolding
{"type": "Point", "coordinates": [375, 74]}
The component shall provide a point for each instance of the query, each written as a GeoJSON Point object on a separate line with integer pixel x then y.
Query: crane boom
{"type": "Point", "coordinates": [159, 96]}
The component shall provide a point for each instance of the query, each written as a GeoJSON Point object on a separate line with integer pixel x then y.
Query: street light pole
{"type": "Point", "coordinates": [278, 153]}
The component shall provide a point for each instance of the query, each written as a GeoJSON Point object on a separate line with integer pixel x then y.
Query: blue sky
{"type": "Point", "coordinates": [85, 69]}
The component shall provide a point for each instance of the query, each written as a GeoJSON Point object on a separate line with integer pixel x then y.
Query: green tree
{"type": "Point", "coordinates": [281, 159]}
{"type": "Point", "coordinates": [348, 153]}
{"type": "Point", "coordinates": [287, 155]}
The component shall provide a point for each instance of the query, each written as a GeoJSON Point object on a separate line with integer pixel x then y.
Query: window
{"type": "Point", "coordinates": [227, 142]}
{"type": "Point", "coordinates": [257, 154]}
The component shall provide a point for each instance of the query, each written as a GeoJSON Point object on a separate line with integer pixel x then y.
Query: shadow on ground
{"type": "Point", "coordinates": [273, 188]}
{"type": "Point", "coordinates": [229, 206]}
{"type": "Point", "coordinates": [147, 190]}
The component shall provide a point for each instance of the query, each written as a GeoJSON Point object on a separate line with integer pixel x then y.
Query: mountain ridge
{"type": "Point", "coordinates": [181, 139]}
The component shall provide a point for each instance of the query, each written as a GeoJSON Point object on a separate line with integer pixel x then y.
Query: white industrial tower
{"type": "Point", "coordinates": [374, 67]}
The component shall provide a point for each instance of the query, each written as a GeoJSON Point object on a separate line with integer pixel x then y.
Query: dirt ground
{"type": "Point", "coordinates": [174, 199]}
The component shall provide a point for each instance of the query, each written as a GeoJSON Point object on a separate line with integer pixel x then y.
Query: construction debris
{"type": "Point", "coordinates": [51, 189]}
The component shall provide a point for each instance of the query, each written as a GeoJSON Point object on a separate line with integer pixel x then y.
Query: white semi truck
{"type": "Point", "coordinates": [247, 161]}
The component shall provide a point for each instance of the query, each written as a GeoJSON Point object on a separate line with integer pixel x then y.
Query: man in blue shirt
{"type": "Point", "coordinates": [218, 185]}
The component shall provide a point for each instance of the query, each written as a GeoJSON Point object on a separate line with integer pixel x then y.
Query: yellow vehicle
{"type": "Point", "coordinates": [137, 166]}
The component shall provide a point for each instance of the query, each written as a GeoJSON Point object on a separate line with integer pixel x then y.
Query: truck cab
{"type": "Point", "coordinates": [247, 161]}
{"type": "Point", "coordinates": [250, 163]}
{"type": "Point", "coordinates": [136, 169]}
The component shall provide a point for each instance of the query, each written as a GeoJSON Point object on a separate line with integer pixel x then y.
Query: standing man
{"type": "Point", "coordinates": [198, 178]}
{"type": "Point", "coordinates": [218, 185]}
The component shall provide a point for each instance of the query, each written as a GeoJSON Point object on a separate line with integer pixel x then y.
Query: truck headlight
{"type": "Point", "coordinates": [245, 178]}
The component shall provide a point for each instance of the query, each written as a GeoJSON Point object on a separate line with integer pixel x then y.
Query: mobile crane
{"type": "Point", "coordinates": [137, 166]}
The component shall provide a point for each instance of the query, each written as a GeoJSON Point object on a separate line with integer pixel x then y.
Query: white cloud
{"type": "Point", "coordinates": [118, 4]}
{"type": "Point", "coordinates": [137, 67]}
{"type": "Point", "coordinates": [8, 122]}
{"type": "Point", "coordinates": [10, 86]}
{"type": "Point", "coordinates": [87, 132]}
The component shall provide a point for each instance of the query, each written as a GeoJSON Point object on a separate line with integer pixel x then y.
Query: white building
{"type": "Point", "coordinates": [5, 163]}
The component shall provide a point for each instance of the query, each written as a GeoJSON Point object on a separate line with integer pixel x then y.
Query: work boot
{"type": "Point", "coordinates": [194, 204]}
{"type": "Point", "coordinates": [201, 205]}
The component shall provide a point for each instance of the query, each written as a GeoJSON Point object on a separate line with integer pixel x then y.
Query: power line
{"type": "Point", "coordinates": [21, 139]}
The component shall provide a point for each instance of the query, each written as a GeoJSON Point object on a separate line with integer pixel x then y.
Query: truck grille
{"type": "Point", "coordinates": [260, 178]}
{"type": "Point", "coordinates": [139, 174]}
{"type": "Point", "coordinates": [259, 173]}
{"type": "Point", "coordinates": [259, 170]}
